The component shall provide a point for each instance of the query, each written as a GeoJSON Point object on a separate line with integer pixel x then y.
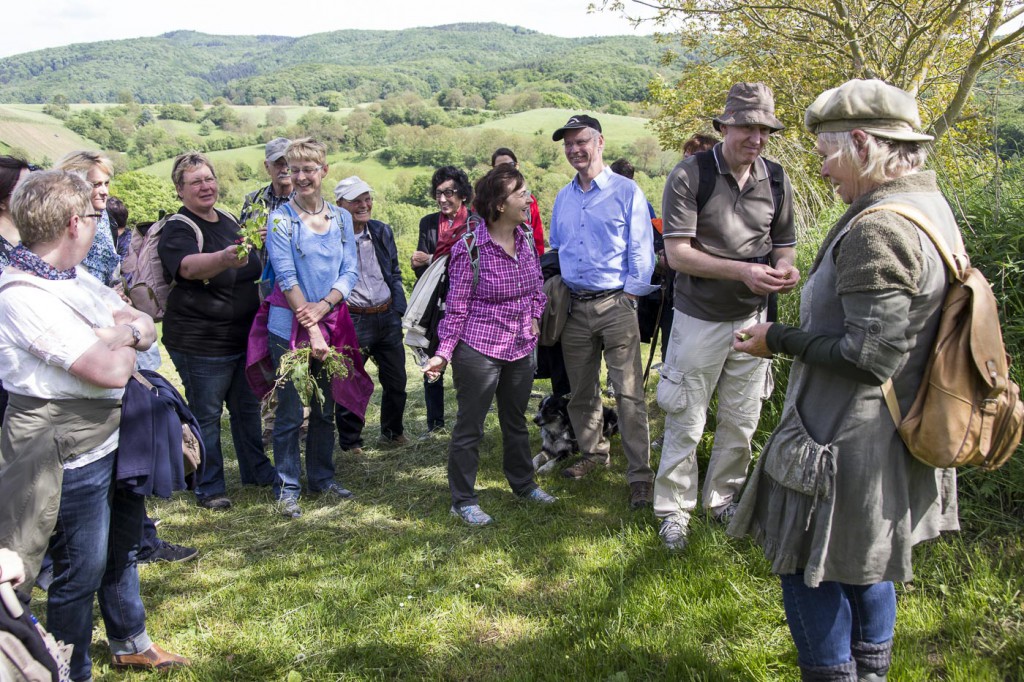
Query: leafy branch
{"type": "Point", "coordinates": [251, 231]}
{"type": "Point", "coordinates": [297, 366]}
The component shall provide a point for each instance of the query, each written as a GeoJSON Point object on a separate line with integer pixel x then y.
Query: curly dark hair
{"type": "Point", "coordinates": [494, 188]}
{"type": "Point", "coordinates": [446, 173]}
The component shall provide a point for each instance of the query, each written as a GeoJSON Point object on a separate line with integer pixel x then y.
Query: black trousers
{"type": "Point", "coordinates": [478, 380]}
{"type": "Point", "coordinates": [380, 339]}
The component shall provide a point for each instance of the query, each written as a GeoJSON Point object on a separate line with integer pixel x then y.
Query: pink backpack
{"type": "Point", "coordinates": [142, 271]}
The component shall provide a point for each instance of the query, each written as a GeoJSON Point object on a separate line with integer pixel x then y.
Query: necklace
{"type": "Point", "coordinates": [23, 259]}
{"type": "Point", "coordinates": [323, 205]}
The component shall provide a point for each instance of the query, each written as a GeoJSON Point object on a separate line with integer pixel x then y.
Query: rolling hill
{"type": "Point", "coordinates": [479, 59]}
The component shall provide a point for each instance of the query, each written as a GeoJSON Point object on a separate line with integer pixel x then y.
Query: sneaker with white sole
{"type": "Point", "coordinates": [472, 514]}
{"type": "Point", "coordinates": [724, 514]}
{"type": "Point", "coordinates": [673, 534]}
{"type": "Point", "coordinates": [539, 496]}
{"type": "Point", "coordinates": [335, 493]}
{"type": "Point", "coordinates": [289, 507]}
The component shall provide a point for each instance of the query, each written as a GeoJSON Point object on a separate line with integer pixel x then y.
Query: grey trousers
{"type": "Point", "coordinates": [478, 379]}
{"type": "Point", "coordinates": [610, 322]}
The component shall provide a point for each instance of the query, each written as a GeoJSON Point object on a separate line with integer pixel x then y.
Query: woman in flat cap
{"type": "Point", "coordinates": [836, 500]}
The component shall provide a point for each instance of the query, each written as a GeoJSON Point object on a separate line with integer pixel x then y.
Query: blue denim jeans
{"type": "Point", "coordinates": [93, 547]}
{"type": "Point", "coordinates": [826, 620]}
{"type": "Point", "coordinates": [380, 339]}
{"type": "Point", "coordinates": [319, 437]}
{"type": "Point", "coordinates": [209, 383]}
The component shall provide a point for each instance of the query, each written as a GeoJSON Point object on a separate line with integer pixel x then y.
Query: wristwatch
{"type": "Point", "coordinates": [136, 335]}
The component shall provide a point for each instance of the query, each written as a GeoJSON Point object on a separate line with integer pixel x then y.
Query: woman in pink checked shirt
{"type": "Point", "coordinates": [489, 333]}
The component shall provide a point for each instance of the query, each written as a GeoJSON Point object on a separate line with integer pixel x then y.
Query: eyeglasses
{"type": "Point", "coordinates": [308, 170]}
{"type": "Point", "coordinates": [449, 193]}
{"type": "Point", "coordinates": [522, 194]}
{"type": "Point", "coordinates": [94, 216]}
{"type": "Point", "coordinates": [196, 184]}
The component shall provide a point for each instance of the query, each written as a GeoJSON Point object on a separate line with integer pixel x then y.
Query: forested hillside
{"type": "Point", "coordinates": [477, 63]}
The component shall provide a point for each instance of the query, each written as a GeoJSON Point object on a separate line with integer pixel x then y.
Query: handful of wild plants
{"type": "Point", "coordinates": [296, 366]}
{"type": "Point", "coordinates": [250, 232]}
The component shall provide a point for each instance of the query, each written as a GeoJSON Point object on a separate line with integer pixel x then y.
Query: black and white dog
{"type": "Point", "coordinates": [558, 441]}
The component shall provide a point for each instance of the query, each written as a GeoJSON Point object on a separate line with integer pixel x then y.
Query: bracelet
{"type": "Point", "coordinates": [330, 305]}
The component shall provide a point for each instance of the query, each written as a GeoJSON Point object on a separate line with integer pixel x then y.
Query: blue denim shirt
{"type": "Point", "coordinates": [316, 263]}
{"type": "Point", "coordinates": [603, 235]}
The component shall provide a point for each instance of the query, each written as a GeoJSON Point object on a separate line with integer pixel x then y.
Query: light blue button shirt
{"type": "Point", "coordinates": [604, 235]}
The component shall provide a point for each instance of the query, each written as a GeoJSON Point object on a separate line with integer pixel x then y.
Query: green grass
{"type": "Point", "coordinates": [390, 586]}
{"type": "Point", "coordinates": [621, 129]}
{"type": "Point", "coordinates": [24, 129]}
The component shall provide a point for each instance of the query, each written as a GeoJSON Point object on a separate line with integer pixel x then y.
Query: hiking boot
{"type": "Point", "coordinates": [672, 534]}
{"type": "Point", "coordinates": [169, 553]}
{"type": "Point", "coordinates": [724, 514]}
{"type": "Point", "coordinates": [335, 492]}
{"type": "Point", "coordinates": [153, 658]}
{"type": "Point", "coordinates": [585, 465]}
{"type": "Point", "coordinates": [215, 502]}
{"type": "Point", "coordinates": [539, 496]}
{"type": "Point", "coordinates": [472, 514]}
{"type": "Point", "coordinates": [641, 494]}
{"type": "Point", "coordinates": [289, 508]}
{"type": "Point", "coordinates": [397, 441]}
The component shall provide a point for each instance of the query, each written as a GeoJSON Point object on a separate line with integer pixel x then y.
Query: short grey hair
{"type": "Point", "coordinates": [186, 162]}
{"type": "Point", "coordinates": [43, 204]}
{"type": "Point", "coordinates": [885, 159]}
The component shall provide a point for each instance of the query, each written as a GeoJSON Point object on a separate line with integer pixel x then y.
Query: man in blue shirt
{"type": "Point", "coordinates": [601, 228]}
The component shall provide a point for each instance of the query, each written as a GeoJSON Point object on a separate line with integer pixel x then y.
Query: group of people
{"type": "Point", "coordinates": [332, 278]}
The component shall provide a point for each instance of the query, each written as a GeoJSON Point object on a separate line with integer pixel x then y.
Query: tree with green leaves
{"type": "Point", "coordinates": [934, 49]}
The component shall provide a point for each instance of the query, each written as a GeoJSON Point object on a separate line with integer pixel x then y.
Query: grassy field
{"type": "Point", "coordinates": [390, 586]}
{"type": "Point", "coordinates": [622, 129]}
{"type": "Point", "coordinates": [25, 128]}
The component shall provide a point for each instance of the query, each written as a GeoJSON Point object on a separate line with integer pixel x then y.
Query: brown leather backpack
{"type": "Point", "coordinates": [967, 410]}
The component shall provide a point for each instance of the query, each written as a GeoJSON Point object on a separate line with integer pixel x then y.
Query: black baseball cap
{"type": "Point", "coordinates": [575, 123]}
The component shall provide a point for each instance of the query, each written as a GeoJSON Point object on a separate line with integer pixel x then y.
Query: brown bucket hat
{"type": "Point", "coordinates": [749, 104]}
{"type": "Point", "coordinates": [873, 106]}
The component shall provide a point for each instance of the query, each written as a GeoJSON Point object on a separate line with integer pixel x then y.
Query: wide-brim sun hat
{"type": "Point", "coordinates": [749, 104]}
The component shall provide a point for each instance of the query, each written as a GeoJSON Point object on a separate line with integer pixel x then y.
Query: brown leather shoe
{"type": "Point", "coordinates": [641, 494]}
{"type": "Point", "coordinates": [585, 465]}
{"type": "Point", "coordinates": [153, 658]}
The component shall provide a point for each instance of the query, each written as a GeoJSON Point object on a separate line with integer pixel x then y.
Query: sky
{"type": "Point", "coordinates": [53, 23]}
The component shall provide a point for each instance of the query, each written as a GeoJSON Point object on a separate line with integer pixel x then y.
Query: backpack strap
{"type": "Point", "coordinates": [191, 223]}
{"type": "Point", "coordinates": [469, 239]}
{"type": "Point", "coordinates": [708, 175]}
{"type": "Point", "coordinates": [775, 177]}
{"type": "Point", "coordinates": [956, 264]}
{"type": "Point", "coordinates": [955, 258]}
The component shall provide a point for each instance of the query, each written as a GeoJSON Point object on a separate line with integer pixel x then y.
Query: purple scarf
{"type": "Point", "coordinates": [353, 392]}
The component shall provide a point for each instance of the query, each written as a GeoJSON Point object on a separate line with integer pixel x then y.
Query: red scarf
{"type": "Point", "coordinates": [450, 232]}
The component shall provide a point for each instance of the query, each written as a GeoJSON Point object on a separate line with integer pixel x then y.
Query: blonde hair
{"type": "Point", "coordinates": [884, 160]}
{"type": "Point", "coordinates": [186, 162]}
{"type": "Point", "coordinates": [307, 149]}
{"type": "Point", "coordinates": [84, 161]}
{"type": "Point", "coordinates": [42, 205]}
